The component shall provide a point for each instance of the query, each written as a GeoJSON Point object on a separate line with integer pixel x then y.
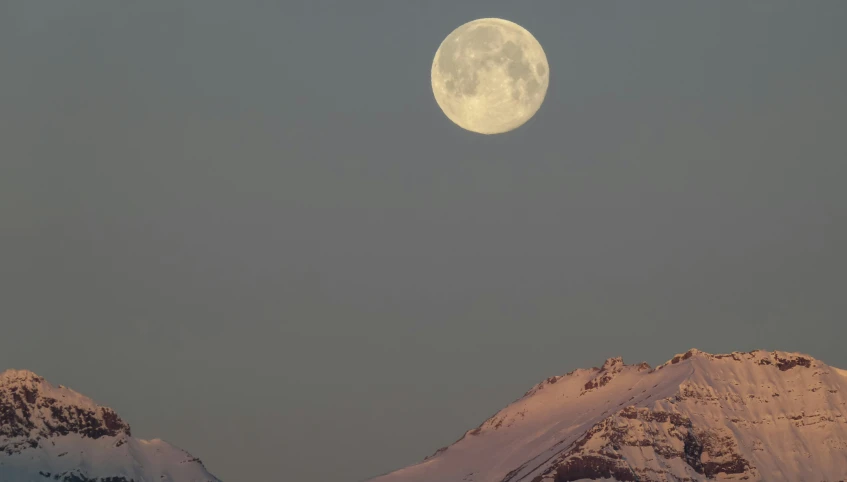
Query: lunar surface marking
{"type": "Point", "coordinates": [490, 76]}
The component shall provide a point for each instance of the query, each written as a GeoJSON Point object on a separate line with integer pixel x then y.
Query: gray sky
{"type": "Point", "coordinates": [248, 227]}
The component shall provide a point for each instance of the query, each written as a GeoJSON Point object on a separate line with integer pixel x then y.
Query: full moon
{"type": "Point", "coordinates": [490, 76]}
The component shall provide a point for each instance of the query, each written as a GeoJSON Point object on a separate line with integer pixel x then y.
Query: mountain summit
{"type": "Point", "coordinates": [766, 416]}
{"type": "Point", "coordinates": [56, 434]}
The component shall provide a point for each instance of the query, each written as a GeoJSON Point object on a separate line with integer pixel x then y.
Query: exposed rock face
{"type": "Point", "coordinates": [671, 436]}
{"type": "Point", "coordinates": [55, 434]}
{"type": "Point", "coordinates": [79, 478]}
{"type": "Point", "coordinates": [767, 416]}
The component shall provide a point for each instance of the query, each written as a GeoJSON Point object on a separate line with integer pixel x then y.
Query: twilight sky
{"type": "Point", "coordinates": [248, 227]}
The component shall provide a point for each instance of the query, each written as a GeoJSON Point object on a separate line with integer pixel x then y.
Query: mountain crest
{"type": "Point", "coordinates": [759, 415]}
{"type": "Point", "coordinates": [780, 359]}
{"type": "Point", "coordinates": [55, 433]}
{"type": "Point", "coordinates": [31, 410]}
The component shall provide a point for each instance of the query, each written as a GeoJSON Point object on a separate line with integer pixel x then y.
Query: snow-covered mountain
{"type": "Point", "coordinates": [52, 433]}
{"type": "Point", "coordinates": [767, 416]}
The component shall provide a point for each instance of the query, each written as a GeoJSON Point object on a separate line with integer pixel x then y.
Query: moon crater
{"type": "Point", "coordinates": [490, 76]}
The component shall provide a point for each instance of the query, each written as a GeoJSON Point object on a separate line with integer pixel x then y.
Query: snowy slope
{"type": "Point", "coordinates": [770, 416]}
{"type": "Point", "coordinates": [55, 433]}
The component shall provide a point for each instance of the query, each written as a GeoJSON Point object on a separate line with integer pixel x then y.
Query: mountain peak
{"type": "Point", "coordinates": [49, 432]}
{"type": "Point", "coordinates": [32, 410]}
{"type": "Point", "coordinates": [759, 415]}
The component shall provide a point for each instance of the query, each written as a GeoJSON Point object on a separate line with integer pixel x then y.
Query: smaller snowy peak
{"type": "Point", "coordinates": [31, 409]}
{"type": "Point", "coordinates": [54, 433]}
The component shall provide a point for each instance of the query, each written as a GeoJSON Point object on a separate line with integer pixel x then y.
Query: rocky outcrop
{"type": "Point", "coordinates": [607, 372]}
{"type": "Point", "coordinates": [75, 477]}
{"type": "Point", "coordinates": [668, 436]}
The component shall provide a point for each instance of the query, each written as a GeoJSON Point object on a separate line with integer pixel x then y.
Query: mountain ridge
{"type": "Point", "coordinates": [697, 416]}
{"type": "Point", "coordinates": [55, 433]}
